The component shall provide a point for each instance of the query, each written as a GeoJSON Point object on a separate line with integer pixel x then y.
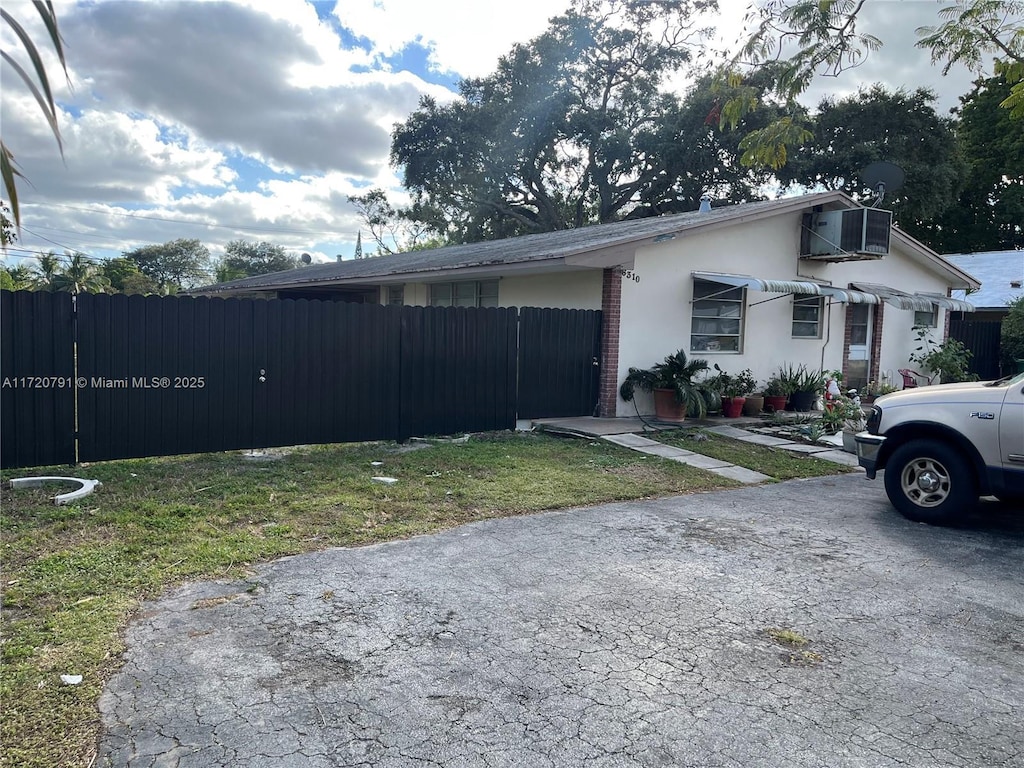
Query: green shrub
{"type": "Point", "coordinates": [1011, 337]}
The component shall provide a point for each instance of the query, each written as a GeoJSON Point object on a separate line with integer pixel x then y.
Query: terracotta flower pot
{"type": "Point", "coordinates": [666, 407]}
{"type": "Point", "coordinates": [734, 408]}
{"type": "Point", "coordinates": [754, 405]}
{"type": "Point", "coordinates": [775, 403]}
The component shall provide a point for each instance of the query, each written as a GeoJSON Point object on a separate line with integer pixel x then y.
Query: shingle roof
{"type": "Point", "coordinates": [551, 247]}
{"type": "Point", "coordinates": [996, 270]}
{"type": "Point", "coordinates": [526, 248]}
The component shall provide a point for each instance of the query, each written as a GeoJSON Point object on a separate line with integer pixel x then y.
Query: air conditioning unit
{"type": "Point", "coordinates": [849, 235]}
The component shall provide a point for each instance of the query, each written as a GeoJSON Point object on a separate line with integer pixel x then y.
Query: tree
{"type": "Point", "coordinates": [989, 214]}
{"type": "Point", "coordinates": [973, 29]}
{"type": "Point", "coordinates": [1011, 337]}
{"type": "Point", "coordinates": [39, 86]}
{"type": "Point", "coordinates": [17, 278]}
{"type": "Point", "coordinates": [123, 276]}
{"type": "Point", "coordinates": [877, 124]}
{"type": "Point", "coordinates": [44, 275]}
{"type": "Point", "coordinates": [571, 128]}
{"type": "Point", "coordinates": [80, 275]}
{"type": "Point", "coordinates": [174, 265]}
{"type": "Point", "coordinates": [7, 234]}
{"type": "Point", "coordinates": [245, 259]}
{"type": "Point", "coordinates": [812, 38]}
{"type": "Point", "coordinates": [392, 230]}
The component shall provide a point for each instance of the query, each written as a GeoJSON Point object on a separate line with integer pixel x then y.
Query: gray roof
{"type": "Point", "coordinates": [549, 249]}
{"type": "Point", "coordinates": [997, 271]}
{"type": "Point", "coordinates": [525, 248]}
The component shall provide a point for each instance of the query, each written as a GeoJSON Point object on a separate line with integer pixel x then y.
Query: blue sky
{"type": "Point", "coordinates": [256, 119]}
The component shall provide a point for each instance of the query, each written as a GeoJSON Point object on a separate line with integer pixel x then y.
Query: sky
{"type": "Point", "coordinates": [256, 119]}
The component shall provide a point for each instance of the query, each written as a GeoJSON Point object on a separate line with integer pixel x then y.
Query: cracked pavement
{"type": "Point", "coordinates": [799, 624]}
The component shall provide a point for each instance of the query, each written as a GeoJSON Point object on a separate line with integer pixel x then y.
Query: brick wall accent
{"type": "Point", "coordinates": [876, 342]}
{"type": "Point", "coordinates": [611, 306]}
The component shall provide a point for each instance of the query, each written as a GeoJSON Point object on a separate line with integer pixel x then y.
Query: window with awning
{"type": "Point", "coordinates": [859, 293]}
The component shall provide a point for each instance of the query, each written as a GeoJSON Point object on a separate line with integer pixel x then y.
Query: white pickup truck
{"type": "Point", "coordinates": [944, 446]}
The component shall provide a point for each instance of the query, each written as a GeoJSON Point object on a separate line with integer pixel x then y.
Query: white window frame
{"type": "Point", "coordinates": [799, 301]}
{"type": "Point", "coordinates": [933, 319]}
{"type": "Point", "coordinates": [731, 304]}
{"type": "Point", "coordinates": [396, 295]}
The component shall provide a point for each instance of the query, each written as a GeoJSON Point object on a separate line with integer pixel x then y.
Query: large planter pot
{"type": "Point", "coordinates": [666, 407]}
{"type": "Point", "coordinates": [849, 441]}
{"type": "Point", "coordinates": [754, 405]}
{"type": "Point", "coordinates": [733, 406]}
{"type": "Point", "coordinates": [775, 403]}
{"type": "Point", "coordinates": [802, 401]}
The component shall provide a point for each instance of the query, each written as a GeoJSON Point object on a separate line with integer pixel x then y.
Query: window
{"type": "Point", "coordinates": [396, 295]}
{"type": "Point", "coordinates": [807, 313]}
{"type": "Point", "coordinates": [926, 318]}
{"type": "Point", "coordinates": [716, 323]}
{"type": "Point", "coordinates": [483, 293]}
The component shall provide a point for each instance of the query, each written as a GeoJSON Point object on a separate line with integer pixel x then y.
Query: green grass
{"type": "Point", "coordinates": [774, 462]}
{"type": "Point", "coordinates": [72, 576]}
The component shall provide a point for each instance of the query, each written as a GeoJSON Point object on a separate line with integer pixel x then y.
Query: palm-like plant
{"type": "Point", "coordinates": [80, 276]}
{"type": "Point", "coordinates": [677, 373]}
{"type": "Point", "coordinates": [40, 88]}
{"type": "Point", "coordinates": [44, 274]}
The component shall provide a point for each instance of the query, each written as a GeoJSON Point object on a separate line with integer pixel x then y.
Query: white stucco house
{"type": "Point", "coordinates": [815, 279]}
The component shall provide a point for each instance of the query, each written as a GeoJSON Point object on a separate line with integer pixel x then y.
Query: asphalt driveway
{"type": "Point", "coordinates": [796, 624]}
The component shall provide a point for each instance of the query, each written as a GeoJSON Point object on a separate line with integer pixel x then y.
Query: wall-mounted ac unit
{"type": "Point", "coordinates": [849, 235]}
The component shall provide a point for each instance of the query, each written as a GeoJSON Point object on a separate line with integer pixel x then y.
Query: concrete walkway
{"type": "Point", "coordinates": [623, 432]}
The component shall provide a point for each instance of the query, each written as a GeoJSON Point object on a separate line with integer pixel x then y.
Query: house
{"type": "Point", "coordinates": [815, 279]}
{"type": "Point", "coordinates": [1002, 281]}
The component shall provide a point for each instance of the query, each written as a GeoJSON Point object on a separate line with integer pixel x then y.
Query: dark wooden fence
{"type": "Point", "coordinates": [559, 359]}
{"type": "Point", "coordinates": [982, 338]}
{"type": "Point", "coordinates": [37, 379]}
{"type": "Point", "coordinates": [168, 375]}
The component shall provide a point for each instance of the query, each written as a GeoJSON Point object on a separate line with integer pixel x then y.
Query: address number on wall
{"type": "Point", "coordinates": [629, 274]}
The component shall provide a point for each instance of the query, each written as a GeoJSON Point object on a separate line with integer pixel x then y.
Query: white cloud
{"type": "Point", "coordinates": [464, 36]}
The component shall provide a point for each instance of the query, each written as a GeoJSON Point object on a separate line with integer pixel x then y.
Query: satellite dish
{"type": "Point", "coordinates": [306, 258]}
{"type": "Point", "coordinates": [883, 177]}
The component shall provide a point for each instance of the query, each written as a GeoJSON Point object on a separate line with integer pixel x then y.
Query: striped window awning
{"type": "Point", "coordinates": [923, 302]}
{"type": "Point", "coordinates": [789, 286]}
{"type": "Point", "coordinates": [859, 293]}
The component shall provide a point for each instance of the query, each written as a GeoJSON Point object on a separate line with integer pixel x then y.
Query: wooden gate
{"type": "Point", "coordinates": [559, 362]}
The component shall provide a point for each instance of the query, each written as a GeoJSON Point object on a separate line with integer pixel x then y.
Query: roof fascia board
{"type": "Point", "coordinates": [437, 275]}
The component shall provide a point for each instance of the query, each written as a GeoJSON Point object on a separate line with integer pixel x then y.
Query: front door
{"type": "Point", "coordinates": [858, 357]}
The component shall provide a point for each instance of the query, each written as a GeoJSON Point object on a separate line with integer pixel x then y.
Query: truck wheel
{"type": "Point", "coordinates": [929, 482]}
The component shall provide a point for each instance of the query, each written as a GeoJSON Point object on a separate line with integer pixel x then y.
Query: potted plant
{"type": "Point", "coordinates": [676, 393]}
{"type": "Point", "coordinates": [807, 385]}
{"type": "Point", "coordinates": [875, 389]}
{"type": "Point", "coordinates": [775, 394]}
{"type": "Point", "coordinates": [755, 402]}
{"type": "Point", "coordinates": [735, 388]}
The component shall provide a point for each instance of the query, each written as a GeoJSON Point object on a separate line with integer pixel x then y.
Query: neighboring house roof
{"type": "Point", "coordinates": [597, 245]}
{"type": "Point", "coordinates": [1001, 274]}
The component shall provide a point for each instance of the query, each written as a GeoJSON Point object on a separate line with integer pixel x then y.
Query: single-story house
{"type": "Point", "coordinates": [1002, 280]}
{"type": "Point", "coordinates": [816, 280]}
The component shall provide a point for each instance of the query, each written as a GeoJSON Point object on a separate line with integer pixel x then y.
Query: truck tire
{"type": "Point", "coordinates": [928, 481]}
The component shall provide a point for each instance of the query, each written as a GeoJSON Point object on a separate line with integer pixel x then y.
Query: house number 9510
{"type": "Point", "coordinates": [629, 274]}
